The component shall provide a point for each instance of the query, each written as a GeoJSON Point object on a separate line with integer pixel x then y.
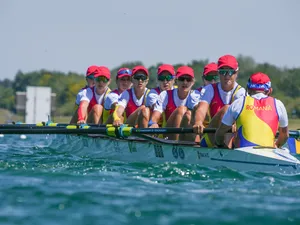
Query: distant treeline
{"type": "Point", "coordinates": [285, 83]}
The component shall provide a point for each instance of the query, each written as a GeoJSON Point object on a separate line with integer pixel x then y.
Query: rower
{"type": "Point", "coordinates": [92, 100]}
{"type": "Point", "coordinates": [173, 102]}
{"type": "Point", "coordinates": [132, 100]}
{"type": "Point", "coordinates": [89, 83]}
{"type": "Point", "coordinates": [215, 99]}
{"type": "Point", "coordinates": [123, 80]}
{"type": "Point", "coordinates": [165, 79]}
{"type": "Point", "coordinates": [257, 116]}
{"type": "Point", "coordinates": [209, 76]}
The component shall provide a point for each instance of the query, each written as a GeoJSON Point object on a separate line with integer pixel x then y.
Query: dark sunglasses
{"type": "Point", "coordinates": [103, 79]}
{"type": "Point", "coordinates": [90, 77]}
{"type": "Point", "coordinates": [142, 77]}
{"type": "Point", "coordinates": [224, 72]}
{"type": "Point", "coordinates": [210, 78]}
{"type": "Point", "coordinates": [167, 78]}
{"type": "Point", "coordinates": [182, 79]}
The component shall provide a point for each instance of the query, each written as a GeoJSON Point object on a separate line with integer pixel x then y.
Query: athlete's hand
{"type": "Point", "coordinates": [155, 125]}
{"type": "Point", "coordinates": [81, 122]}
{"type": "Point", "coordinates": [117, 123]}
{"type": "Point", "coordinates": [198, 128]}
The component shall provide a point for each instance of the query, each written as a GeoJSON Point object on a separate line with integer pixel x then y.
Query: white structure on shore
{"type": "Point", "coordinates": [37, 103]}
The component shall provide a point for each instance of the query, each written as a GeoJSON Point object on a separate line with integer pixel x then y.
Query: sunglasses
{"type": "Point", "coordinates": [167, 78]}
{"type": "Point", "coordinates": [210, 78]}
{"type": "Point", "coordinates": [142, 77]}
{"type": "Point", "coordinates": [224, 72]}
{"type": "Point", "coordinates": [90, 77]}
{"type": "Point", "coordinates": [124, 72]}
{"type": "Point", "coordinates": [103, 79]}
{"type": "Point", "coordinates": [182, 79]}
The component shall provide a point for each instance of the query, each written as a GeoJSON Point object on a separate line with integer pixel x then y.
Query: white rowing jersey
{"type": "Point", "coordinates": [124, 98]}
{"type": "Point", "coordinates": [87, 95]}
{"type": "Point", "coordinates": [79, 95]}
{"type": "Point", "coordinates": [207, 94]}
{"type": "Point", "coordinates": [152, 96]}
{"type": "Point", "coordinates": [162, 100]}
{"type": "Point", "coordinates": [111, 99]}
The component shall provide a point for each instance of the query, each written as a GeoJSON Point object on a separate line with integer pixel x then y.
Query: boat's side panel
{"type": "Point", "coordinates": [135, 151]}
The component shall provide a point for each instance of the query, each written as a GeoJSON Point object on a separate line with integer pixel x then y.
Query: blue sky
{"type": "Point", "coordinates": [70, 35]}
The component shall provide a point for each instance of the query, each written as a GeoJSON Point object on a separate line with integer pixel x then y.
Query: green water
{"type": "Point", "coordinates": [39, 185]}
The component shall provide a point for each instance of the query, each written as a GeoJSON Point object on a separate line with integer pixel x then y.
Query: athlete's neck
{"type": "Point", "coordinates": [120, 90]}
{"type": "Point", "coordinates": [139, 92]}
{"type": "Point", "coordinates": [182, 94]}
{"type": "Point", "coordinates": [100, 91]}
{"type": "Point", "coordinates": [227, 88]}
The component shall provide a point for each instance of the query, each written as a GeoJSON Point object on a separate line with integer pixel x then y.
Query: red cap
{"type": "Point", "coordinates": [137, 68]}
{"type": "Point", "coordinates": [259, 81]}
{"type": "Point", "coordinates": [185, 70]}
{"type": "Point", "coordinates": [124, 72]}
{"type": "Point", "coordinates": [211, 67]}
{"type": "Point", "coordinates": [102, 71]}
{"type": "Point", "coordinates": [91, 70]}
{"type": "Point", "coordinates": [228, 60]}
{"type": "Point", "coordinates": [166, 67]}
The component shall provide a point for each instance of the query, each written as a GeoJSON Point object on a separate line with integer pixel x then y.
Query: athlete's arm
{"type": "Point", "coordinates": [151, 98]}
{"type": "Point", "coordinates": [82, 112]}
{"type": "Point", "coordinates": [117, 115]}
{"type": "Point", "coordinates": [201, 109]}
{"type": "Point", "coordinates": [283, 136]}
{"type": "Point", "coordinates": [158, 109]}
{"type": "Point", "coordinates": [199, 116]}
{"type": "Point", "coordinates": [155, 117]}
{"type": "Point", "coordinates": [85, 99]}
{"type": "Point", "coordinates": [219, 135]}
{"type": "Point", "coordinates": [283, 124]}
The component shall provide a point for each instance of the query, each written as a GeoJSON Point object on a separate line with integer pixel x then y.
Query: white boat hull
{"type": "Point", "coordinates": [133, 150]}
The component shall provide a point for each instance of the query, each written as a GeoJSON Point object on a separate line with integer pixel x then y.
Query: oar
{"type": "Point", "coordinates": [54, 130]}
{"type": "Point", "coordinates": [24, 125]}
{"type": "Point", "coordinates": [124, 131]}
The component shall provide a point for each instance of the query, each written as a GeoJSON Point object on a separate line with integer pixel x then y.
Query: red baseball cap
{"type": "Point", "coordinates": [211, 67]}
{"type": "Point", "coordinates": [91, 70]}
{"type": "Point", "coordinates": [102, 71]}
{"type": "Point", "coordinates": [124, 72]}
{"type": "Point", "coordinates": [228, 60]}
{"type": "Point", "coordinates": [166, 67]}
{"type": "Point", "coordinates": [140, 68]}
{"type": "Point", "coordinates": [185, 70]}
{"type": "Point", "coordinates": [259, 81]}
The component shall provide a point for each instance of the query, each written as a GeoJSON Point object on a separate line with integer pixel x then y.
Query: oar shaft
{"type": "Point", "coordinates": [53, 130]}
{"type": "Point", "coordinates": [58, 125]}
{"type": "Point", "coordinates": [169, 130]}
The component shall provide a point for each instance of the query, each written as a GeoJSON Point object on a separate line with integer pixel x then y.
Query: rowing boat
{"type": "Point", "coordinates": [135, 145]}
{"type": "Point", "coordinates": [154, 150]}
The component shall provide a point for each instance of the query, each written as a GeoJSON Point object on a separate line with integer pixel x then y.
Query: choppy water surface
{"type": "Point", "coordinates": [39, 185]}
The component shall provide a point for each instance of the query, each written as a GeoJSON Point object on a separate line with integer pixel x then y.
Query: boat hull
{"type": "Point", "coordinates": [141, 150]}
